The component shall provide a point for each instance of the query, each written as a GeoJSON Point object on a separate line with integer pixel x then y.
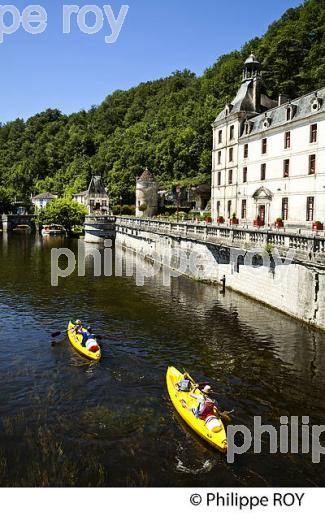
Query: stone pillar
{"type": "Point", "coordinates": [5, 223]}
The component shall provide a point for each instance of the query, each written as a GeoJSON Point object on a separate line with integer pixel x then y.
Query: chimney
{"type": "Point", "coordinates": [283, 98]}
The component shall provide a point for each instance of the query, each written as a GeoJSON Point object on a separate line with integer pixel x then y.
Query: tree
{"type": "Point", "coordinates": [165, 124]}
{"type": "Point", "coordinates": [6, 200]}
{"type": "Point", "coordinates": [65, 212]}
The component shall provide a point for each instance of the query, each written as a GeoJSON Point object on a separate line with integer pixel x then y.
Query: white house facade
{"type": "Point", "coordinates": [41, 201]}
{"type": "Point", "coordinates": [268, 159]}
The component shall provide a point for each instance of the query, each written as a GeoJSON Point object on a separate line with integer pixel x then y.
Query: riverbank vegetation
{"type": "Point", "coordinates": [164, 124]}
{"type": "Point", "coordinates": [65, 212]}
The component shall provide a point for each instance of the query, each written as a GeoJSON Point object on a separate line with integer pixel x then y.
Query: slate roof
{"type": "Point", "coordinates": [81, 194]}
{"type": "Point", "coordinates": [252, 60]}
{"type": "Point", "coordinates": [147, 176]}
{"type": "Point", "coordinates": [96, 187]}
{"type": "Point", "coordinates": [301, 108]}
{"type": "Point", "coordinates": [42, 196]}
{"type": "Point", "coordinates": [244, 102]}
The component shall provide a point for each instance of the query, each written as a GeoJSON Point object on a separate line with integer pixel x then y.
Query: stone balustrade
{"type": "Point", "coordinates": [308, 246]}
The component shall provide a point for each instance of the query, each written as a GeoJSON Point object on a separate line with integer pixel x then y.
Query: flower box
{"type": "Point", "coordinates": [234, 221]}
{"type": "Point", "coordinates": [258, 222]}
{"type": "Point", "coordinates": [318, 226]}
{"type": "Point", "coordinates": [220, 220]}
{"type": "Point", "coordinates": [279, 224]}
{"type": "Point", "coordinates": [208, 220]}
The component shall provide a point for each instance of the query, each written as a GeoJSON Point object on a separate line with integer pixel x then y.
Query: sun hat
{"type": "Point", "coordinates": [206, 389]}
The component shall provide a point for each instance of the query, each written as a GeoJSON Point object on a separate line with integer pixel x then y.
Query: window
{"type": "Point", "coordinates": [264, 145]}
{"type": "Point", "coordinates": [310, 209]}
{"type": "Point", "coordinates": [219, 179]}
{"type": "Point", "coordinates": [232, 132]}
{"type": "Point", "coordinates": [219, 157]}
{"type": "Point", "coordinates": [245, 174]}
{"type": "Point", "coordinates": [245, 151]}
{"type": "Point", "coordinates": [285, 206]}
{"type": "Point", "coordinates": [229, 208]}
{"type": "Point", "coordinates": [286, 167]}
{"type": "Point", "coordinates": [231, 154]}
{"type": "Point", "coordinates": [243, 208]}
{"type": "Point", "coordinates": [313, 133]}
{"type": "Point", "coordinates": [287, 140]}
{"type": "Point", "coordinates": [312, 164]}
{"type": "Point", "coordinates": [290, 112]}
{"type": "Point", "coordinates": [218, 208]}
{"type": "Point", "coordinates": [230, 177]}
{"type": "Point", "coordinates": [220, 137]}
{"type": "Point", "coordinates": [263, 172]}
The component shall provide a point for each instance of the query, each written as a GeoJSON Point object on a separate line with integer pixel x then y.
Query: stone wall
{"type": "Point", "coordinates": [297, 289]}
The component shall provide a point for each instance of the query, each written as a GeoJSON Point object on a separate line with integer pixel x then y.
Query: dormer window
{"type": "Point", "coordinates": [290, 111]}
{"type": "Point", "coordinates": [228, 109]}
{"type": "Point", "coordinates": [267, 121]}
{"type": "Point", "coordinates": [316, 103]}
{"type": "Point", "coordinates": [247, 127]}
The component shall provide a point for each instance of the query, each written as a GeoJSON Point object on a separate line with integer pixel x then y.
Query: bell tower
{"type": "Point", "coordinates": [252, 73]}
{"type": "Point", "coordinates": [252, 68]}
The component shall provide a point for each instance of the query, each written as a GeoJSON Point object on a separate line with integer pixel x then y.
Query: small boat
{"type": "Point", "coordinates": [22, 228]}
{"type": "Point", "coordinates": [217, 439]}
{"type": "Point", "coordinates": [76, 339]}
{"type": "Point", "coordinates": [52, 230]}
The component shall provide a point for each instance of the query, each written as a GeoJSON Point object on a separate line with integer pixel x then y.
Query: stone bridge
{"type": "Point", "coordinates": [99, 228]}
{"type": "Point", "coordinates": [10, 222]}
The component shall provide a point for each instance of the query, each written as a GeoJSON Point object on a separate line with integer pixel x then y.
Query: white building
{"type": "Point", "coordinates": [269, 156]}
{"type": "Point", "coordinates": [40, 201]}
{"type": "Point", "coordinates": [96, 198]}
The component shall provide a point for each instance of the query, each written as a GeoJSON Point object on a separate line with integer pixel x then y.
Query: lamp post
{"type": "Point", "coordinates": [178, 192]}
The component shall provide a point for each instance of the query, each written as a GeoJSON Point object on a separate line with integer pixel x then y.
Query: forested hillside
{"type": "Point", "coordinates": [164, 124]}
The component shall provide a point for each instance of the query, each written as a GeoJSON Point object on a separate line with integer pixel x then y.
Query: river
{"type": "Point", "coordinates": [67, 422]}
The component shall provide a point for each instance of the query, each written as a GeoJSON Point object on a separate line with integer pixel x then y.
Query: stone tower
{"type": "Point", "coordinates": [146, 195]}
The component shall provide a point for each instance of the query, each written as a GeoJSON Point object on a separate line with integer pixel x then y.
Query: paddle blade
{"type": "Point", "coordinates": [56, 334]}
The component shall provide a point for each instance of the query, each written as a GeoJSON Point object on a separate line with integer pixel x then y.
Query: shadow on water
{"type": "Point", "coordinates": [66, 421]}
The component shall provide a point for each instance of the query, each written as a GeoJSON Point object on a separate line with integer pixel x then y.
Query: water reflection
{"type": "Point", "coordinates": [112, 423]}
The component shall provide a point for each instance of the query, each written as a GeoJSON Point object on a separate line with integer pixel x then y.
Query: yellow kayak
{"type": "Point", "coordinates": [76, 339]}
{"type": "Point", "coordinates": [217, 439]}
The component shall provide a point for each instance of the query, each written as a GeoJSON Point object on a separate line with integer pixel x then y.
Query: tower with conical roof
{"type": "Point", "coordinates": [146, 195]}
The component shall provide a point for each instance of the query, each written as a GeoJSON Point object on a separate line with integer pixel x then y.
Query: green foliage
{"type": "Point", "coordinates": [124, 209]}
{"type": "Point", "coordinates": [6, 200]}
{"type": "Point", "coordinates": [163, 123]}
{"type": "Point", "coordinates": [65, 212]}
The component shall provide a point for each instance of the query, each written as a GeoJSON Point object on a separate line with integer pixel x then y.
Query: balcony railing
{"type": "Point", "coordinates": [308, 246]}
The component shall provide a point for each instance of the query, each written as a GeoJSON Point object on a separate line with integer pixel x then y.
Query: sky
{"type": "Point", "coordinates": [75, 71]}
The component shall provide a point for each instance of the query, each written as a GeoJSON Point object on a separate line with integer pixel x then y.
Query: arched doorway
{"type": "Point", "coordinates": [263, 198]}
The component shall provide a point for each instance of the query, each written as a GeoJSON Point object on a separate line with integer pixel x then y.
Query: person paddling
{"type": "Point", "coordinates": [77, 329]}
{"type": "Point", "coordinates": [206, 405]}
{"type": "Point", "coordinates": [86, 336]}
{"type": "Point", "coordinates": [184, 384]}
